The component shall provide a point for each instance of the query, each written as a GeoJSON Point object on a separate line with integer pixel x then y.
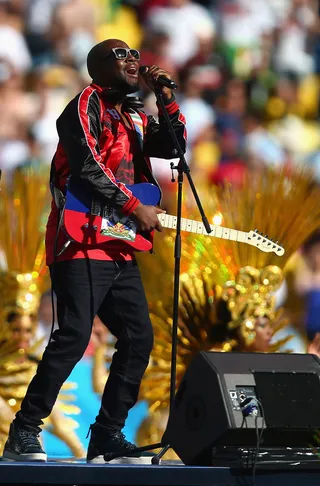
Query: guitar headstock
{"type": "Point", "coordinates": [263, 243]}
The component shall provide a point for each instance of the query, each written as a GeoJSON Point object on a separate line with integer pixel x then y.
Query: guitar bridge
{"type": "Point", "coordinates": [102, 210]}
{"type": "Point", "coordinates": [96, 208]}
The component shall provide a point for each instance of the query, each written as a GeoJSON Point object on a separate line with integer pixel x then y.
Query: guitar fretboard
{"type": "Point", "coordinates": [169, 221]}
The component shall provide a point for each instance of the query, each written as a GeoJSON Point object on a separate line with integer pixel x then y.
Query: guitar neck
{"type": "Point", "coordinates": [191, 226]}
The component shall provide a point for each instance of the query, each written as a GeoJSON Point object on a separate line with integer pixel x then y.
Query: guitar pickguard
{"type": "Point", "coordinates": [116, 225]}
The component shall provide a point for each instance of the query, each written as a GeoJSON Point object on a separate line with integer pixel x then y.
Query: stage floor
{"type": "Point", "coordinates": [169, 473]}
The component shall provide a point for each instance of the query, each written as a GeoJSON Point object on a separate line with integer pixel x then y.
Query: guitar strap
{"type": "Point", "coordinates": [139, 161]}
{"type": "Point", "coordinates": [139, 129]}
{"type": "Point", "coordinates": [138, 125]}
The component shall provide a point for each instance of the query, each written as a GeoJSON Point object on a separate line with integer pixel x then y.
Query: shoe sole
{"type": "Point", "coordinates": [121, 460]}
{"type": "Point", "coordinates": [34, 457]}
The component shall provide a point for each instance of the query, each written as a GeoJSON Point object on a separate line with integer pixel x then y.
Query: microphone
{"type": "Point", "coordinates": [168, 83]}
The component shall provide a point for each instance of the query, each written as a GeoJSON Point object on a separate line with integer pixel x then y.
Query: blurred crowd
{"type": "Point", "coordinates": [248, 76]}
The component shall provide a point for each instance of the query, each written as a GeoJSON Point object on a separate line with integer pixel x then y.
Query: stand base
{"type": "Point", "coordinates": [156, 460]}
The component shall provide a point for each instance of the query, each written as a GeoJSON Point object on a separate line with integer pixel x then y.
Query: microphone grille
{"type": "Point", "coordinates": [143, 69]}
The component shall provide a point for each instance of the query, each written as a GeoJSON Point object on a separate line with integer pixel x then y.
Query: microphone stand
{"type": "Point", "coordinates": [182, 169]}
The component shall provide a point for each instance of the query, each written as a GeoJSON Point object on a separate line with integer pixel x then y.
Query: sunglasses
{"type": "Point", "coordinates": [122, 53]}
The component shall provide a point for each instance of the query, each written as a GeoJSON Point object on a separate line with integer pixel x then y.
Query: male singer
{"type": "Point", "coordinates": [101, 147]}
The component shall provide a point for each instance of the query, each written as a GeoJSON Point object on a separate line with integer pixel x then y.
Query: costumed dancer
{"type": "Point", "coordinates": [227, 299]}
{"type": "Point", "coordinates": [23, 279]}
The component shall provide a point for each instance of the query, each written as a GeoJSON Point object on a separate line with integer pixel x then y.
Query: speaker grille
{"type": "Point", "coordinates": [290, 399]}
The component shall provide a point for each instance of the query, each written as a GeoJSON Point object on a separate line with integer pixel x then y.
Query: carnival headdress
{"type": "Point", "coordinates": [23, 274]}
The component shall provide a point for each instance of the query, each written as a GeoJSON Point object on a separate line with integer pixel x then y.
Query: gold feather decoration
{"type": "Point", "coordinates": [23, 210]}
{"type": "Point", "coordinates": [237, 277]}
{"type": "Point", "coordinates": [281, 205]}
{"type": "Point", "coordinates": [24, 205]}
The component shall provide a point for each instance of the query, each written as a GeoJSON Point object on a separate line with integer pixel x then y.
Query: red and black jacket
{"type": "Point", "coordinates": [93, 140]}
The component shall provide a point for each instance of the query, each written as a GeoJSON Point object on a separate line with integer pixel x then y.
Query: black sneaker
{"type": "Point", "coordinates": [103, 444]}
{"type": "Point", "coordinates": [23, 445]}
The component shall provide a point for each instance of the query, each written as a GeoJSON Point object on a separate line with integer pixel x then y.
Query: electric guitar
{"type": "Point", "coordinates": [92, 225]}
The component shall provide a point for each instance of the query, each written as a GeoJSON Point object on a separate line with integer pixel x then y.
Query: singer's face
{"type": "Point", "coordinates": [122, 74]}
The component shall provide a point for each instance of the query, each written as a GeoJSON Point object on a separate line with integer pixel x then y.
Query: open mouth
{"type": "Point", "coordinates": [132, 71]}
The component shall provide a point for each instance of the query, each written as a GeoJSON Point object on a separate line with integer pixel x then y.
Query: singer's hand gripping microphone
{"type": "Point", "coordinates": [162, 80]}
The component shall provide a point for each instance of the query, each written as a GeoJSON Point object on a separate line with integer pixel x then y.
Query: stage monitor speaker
{"type": "Point", "coordinates": [208, 408]}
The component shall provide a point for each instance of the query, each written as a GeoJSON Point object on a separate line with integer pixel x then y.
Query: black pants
{"type": "Point", "coordinates": [84, 288]}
